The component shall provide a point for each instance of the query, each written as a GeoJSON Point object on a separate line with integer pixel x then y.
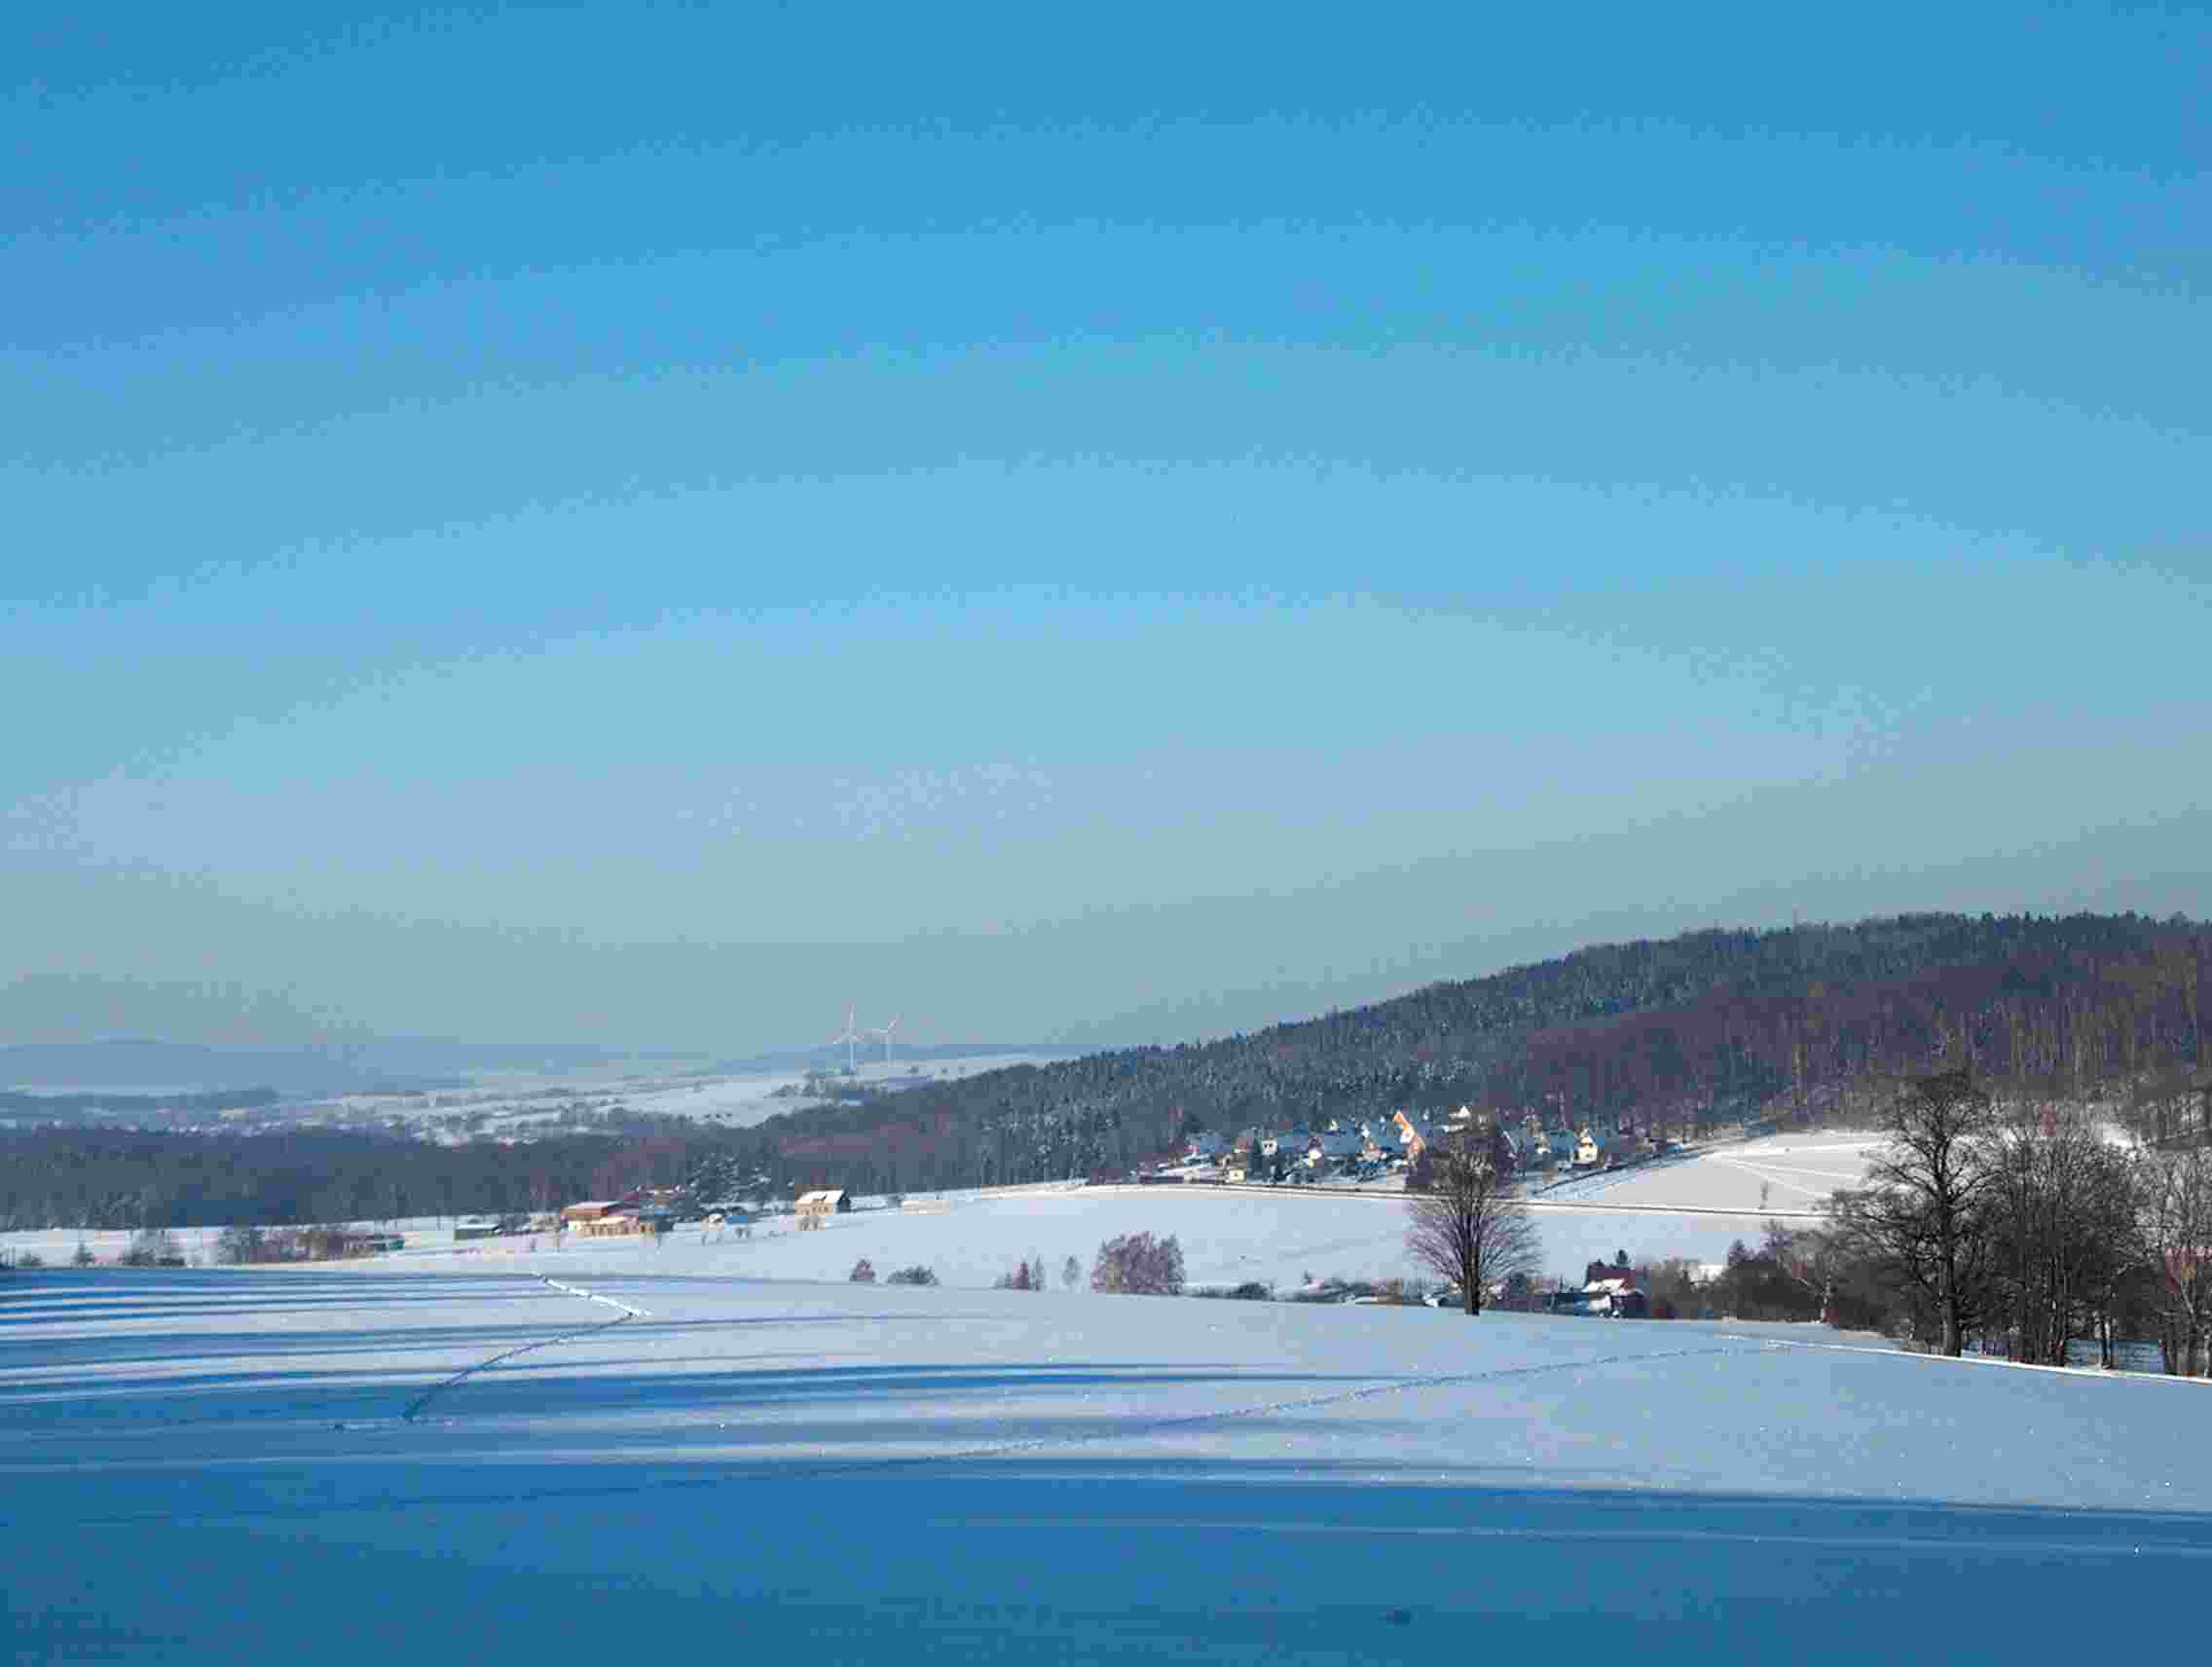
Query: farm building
{"type": "Point", "coordinates": [613, 1226]}
{"type": "Point", "coordinates": [831, 1201]}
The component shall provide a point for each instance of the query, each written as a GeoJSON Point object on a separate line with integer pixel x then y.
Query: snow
{"type": "Point", "coordinates": [251, 1465]}
{"type": "Point", "coordinates": [518, 1104]}
{"type": "Point", "coordinates": [1228, 1235]}
{"type": "Point", "coordinates": [1788, 1175]}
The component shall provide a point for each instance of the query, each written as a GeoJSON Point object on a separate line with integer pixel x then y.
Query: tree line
{"type": "Point", "coordinates": [1805, 1024]}
{"type": "Point", "coordinates": [1999, 1223]}
{"type": "Point", "coordinates": [138, 1180]}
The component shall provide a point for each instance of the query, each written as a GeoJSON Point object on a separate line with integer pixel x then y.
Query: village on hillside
{"type": "Point", "coordinates": [1369, 1149]}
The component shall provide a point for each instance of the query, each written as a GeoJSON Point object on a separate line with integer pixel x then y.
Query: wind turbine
{"type": "Point", "coordinates": [884, 1036]}
{"type": "Point", "coordinates": [849, 1038]}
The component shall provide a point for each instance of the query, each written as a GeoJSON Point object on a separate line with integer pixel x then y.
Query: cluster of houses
{"type": "Point", "coordinates": [642, 1212]}
{"type": "Point", "coordinates": [651, 1211]}
{"type": "Point", "coordinates": [1369, 1146]}
{"type": "Point", "coordinates": [1609, 1292]}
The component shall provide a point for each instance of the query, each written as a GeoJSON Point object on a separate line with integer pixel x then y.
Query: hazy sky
{"type": "Point", "coordinates": [650, 524]}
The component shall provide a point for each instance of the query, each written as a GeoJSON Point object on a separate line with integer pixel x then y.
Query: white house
{"type": "Point", "coordinates": [1593, 1149]}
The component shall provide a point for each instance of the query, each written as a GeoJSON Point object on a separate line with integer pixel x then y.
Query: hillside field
{"type": "Point", "coordinates": [227, 1466]}
{"type": "Point", "coordinates": [1693, 1209]}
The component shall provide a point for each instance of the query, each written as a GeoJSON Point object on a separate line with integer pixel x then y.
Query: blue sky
{"type": "Point", "coordinates": [653, 523]}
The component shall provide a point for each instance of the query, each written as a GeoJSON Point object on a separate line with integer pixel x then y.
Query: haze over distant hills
{"type": "Point", "coordinates": [150, 1065]}
{"type": "Point", "coordinates": [800, 1058]}
{"type": "Point", "coordinates": [146, 1065]}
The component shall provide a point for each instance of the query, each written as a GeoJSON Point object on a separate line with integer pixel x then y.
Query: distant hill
{"type": "Point", "coordinates": [823, 1054]}
{"type": "Point", "coordinates": [434, 1055]}
{"type": "Point", "coordinates": [1804, 1024]}
{"type": "Point", "coordinates": [402, 1063]}
{"type": "Point", "coordinates": [146, 1066]}
{"type": "Point", "coordinates": [1683, 1032]}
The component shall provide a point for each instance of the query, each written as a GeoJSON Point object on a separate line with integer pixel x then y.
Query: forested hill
{"type": "Point", "coordinates": [1704, 1027]}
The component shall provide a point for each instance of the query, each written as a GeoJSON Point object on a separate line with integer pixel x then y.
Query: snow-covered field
{"type": "Point", "coordinates": [1780, 1174]}
{"type": "Point", "coordinates": [263, 1466]}
{"type": "Point", "coordinates": [1228, 1236]}
{"type": "Point", "coordinates": [517, 1104]}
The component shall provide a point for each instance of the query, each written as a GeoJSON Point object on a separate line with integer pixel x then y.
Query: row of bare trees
{"type": "Point", "coordinates": [2024, 1228]}
{"type": "Point", "coordinates": [2021, 1228]}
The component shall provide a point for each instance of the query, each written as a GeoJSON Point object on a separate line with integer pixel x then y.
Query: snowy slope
{"type": "Point", "coordinates": [222, 1467]}
{"type": "Point", "coordinates": [1228, 1236]}
{"type": "Point", "coordinates": [1782, 1174]}
{"type": "Point", "coordinates": [521, 1104]}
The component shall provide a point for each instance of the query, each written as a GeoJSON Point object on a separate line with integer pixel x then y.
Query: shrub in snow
{"type": "Point", "coordinates": [864, 1271]}
{"type": "Point", "coordinates": [83, 1257]}
{"type": "Point", "coordinates": [915, 1275]}
{"type": "Point", "coordinates": [151, 1247]}
{"type": "Point", "coordinates": [1136, 1264]}
{"type": "Point", "coordinates": [1071, 1273]}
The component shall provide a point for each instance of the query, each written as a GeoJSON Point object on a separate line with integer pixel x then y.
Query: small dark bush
{"type": "Point", "coordinates": [915, 1275]}
{"type": "Point", "coordinates": [864, 1273]}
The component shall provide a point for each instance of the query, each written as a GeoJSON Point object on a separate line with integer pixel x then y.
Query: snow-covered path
{"type": "Point", "coordinates": [220, 1466]}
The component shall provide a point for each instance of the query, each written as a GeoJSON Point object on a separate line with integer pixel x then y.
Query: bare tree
{"type": "Point", "coordinates": [1136, 1264]}
{"type": "Point", "coordinates": [2175, 1225]}
{"type": "Point", "coordinates": [1810, 1259]}
{"type": "Point", "coordinates": [1922, 1220]}
{"type": "Point", "coordinates": [152, 1246]}
{"type": "Point", "coordinates": [1466, 1228]}
{"type": "Point", "coordinates": [2059, 1209]}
